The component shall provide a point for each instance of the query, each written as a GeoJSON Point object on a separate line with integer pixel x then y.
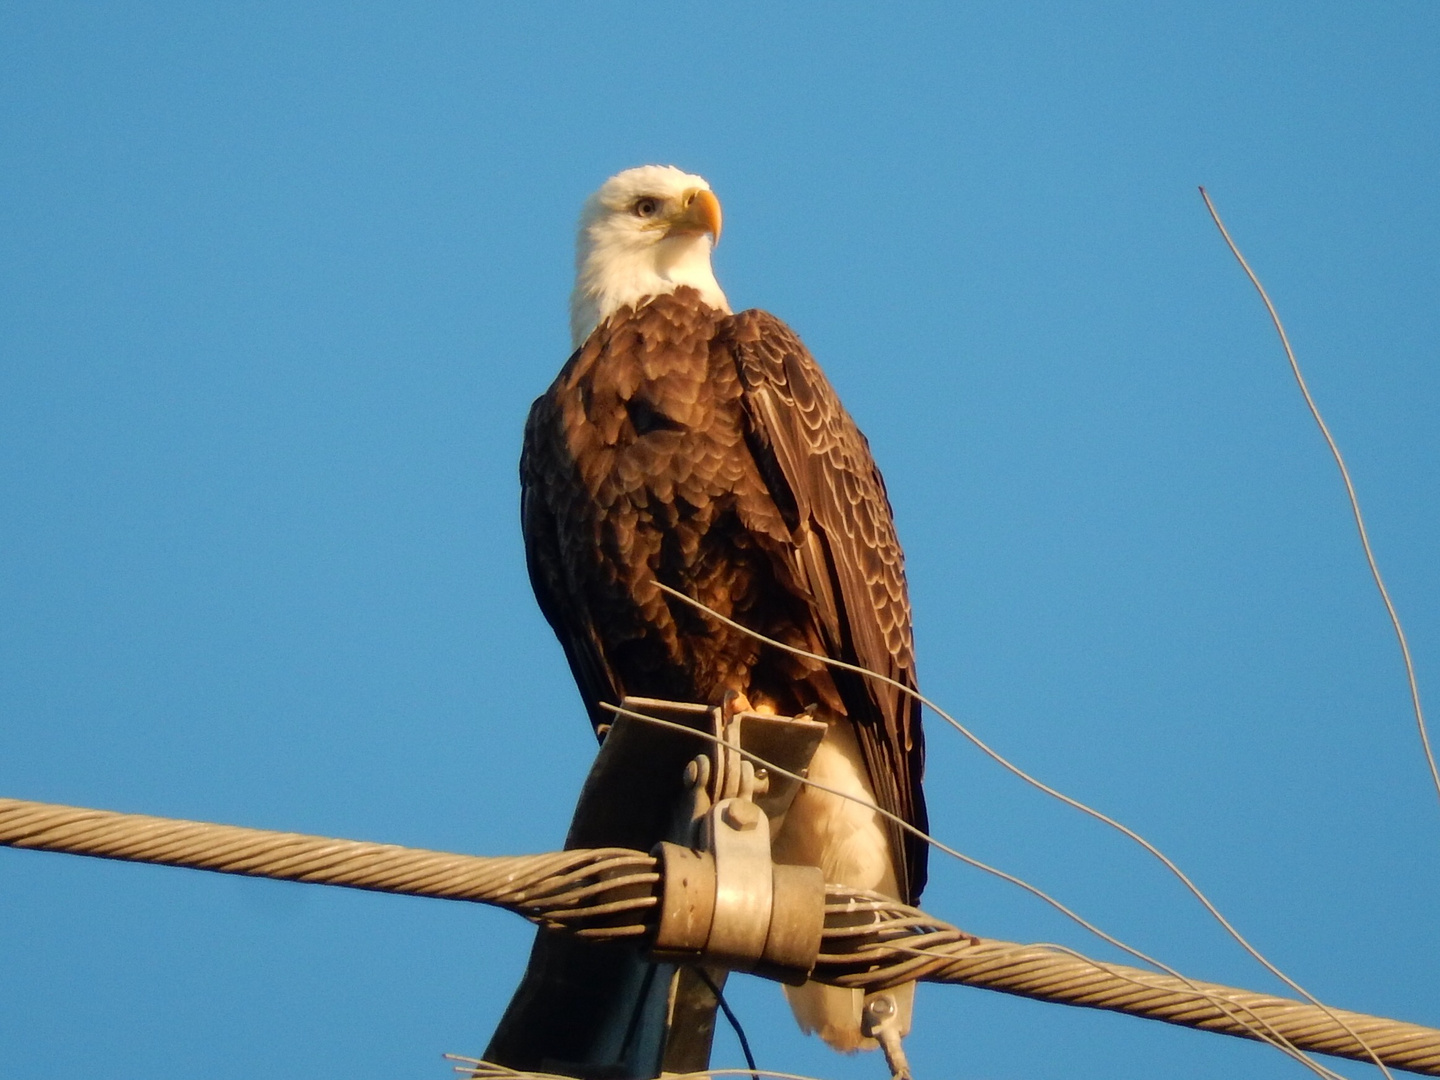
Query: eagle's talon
{"type": "Point", "coordinates": [735, 703]}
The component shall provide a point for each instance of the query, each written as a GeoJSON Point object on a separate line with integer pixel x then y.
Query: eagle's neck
{"type": "Point", "coordinates": [612, 272]}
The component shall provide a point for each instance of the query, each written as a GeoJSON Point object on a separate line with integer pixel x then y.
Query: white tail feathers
{"type": "Point", "coordinates": [849, 842]}
{"type": "Point", "coordinates": [833, 1013]}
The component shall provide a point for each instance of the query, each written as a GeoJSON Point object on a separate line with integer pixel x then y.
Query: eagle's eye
{"type": "Point", "coordinates": [646, 207]}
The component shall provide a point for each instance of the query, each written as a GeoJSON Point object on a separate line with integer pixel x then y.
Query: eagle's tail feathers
{"type": "Point", "coordinates": [833, 1013]}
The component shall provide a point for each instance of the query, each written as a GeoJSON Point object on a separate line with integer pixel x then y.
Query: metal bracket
{"type": "Point", "coordinates": [724, 900]}
{"type": "Point", "coordinates": [616, 1009]}
{"type": "Point", "coordinates": [880, 1020]}
{"type": "Point", "coordinates": [744, 893]}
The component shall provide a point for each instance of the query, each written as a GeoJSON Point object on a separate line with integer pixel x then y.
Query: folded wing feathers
{"type": "Point", "coordinates": [839, 495]}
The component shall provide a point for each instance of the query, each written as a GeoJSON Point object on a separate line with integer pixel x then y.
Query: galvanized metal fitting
{"type": "Point", "coordinates": [733, 907]}
{"type": "Point", "coordinates": [880, 1020]}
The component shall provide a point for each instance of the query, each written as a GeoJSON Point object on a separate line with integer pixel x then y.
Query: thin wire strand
{"type": "Point", "coordinates": [1061, 796]}
{"type": "Point", "coordinates": [1221, 1002]}
{"type": "Point", "coordinates": [1349, 491]}
{"type": "Point", "coordinates": [1003, 875]}
{"type": "Point", "coordinates": [1276, 1039]}
{"type": "Point", "coordinates": [940, 845]}
{"type": "Point", "coordinates": [473, 1065]}
{"type": "Point", "coordinates": [731, 1017]}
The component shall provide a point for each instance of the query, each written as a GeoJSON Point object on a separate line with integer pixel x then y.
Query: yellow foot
{"type": "Point", "coordinates": [735, 702]}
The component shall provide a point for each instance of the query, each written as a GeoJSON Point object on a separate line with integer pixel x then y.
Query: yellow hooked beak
{"type": "Point", "coordinates": [699, 213]}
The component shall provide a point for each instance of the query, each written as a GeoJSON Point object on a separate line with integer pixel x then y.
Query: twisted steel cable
{"type": "Point", "coordinates": [601, 893]}
{"type": "Point", "coordinates": [477, 1069]}
{"type": "Point", "coordinates": [869, 942]}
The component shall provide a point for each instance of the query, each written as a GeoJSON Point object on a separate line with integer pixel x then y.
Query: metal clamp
{"type": "Point", "coordinates": [732, 905]}
{"type": "Point", "coordinates": [768, 919]}
{"type": "Point", "coordinates": [723, 900]}
{"type": "Point", "coordinates": [744, 892]}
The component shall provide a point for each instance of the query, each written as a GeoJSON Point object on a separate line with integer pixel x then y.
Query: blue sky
{"type": "Point", "coordinates": [278, 282]}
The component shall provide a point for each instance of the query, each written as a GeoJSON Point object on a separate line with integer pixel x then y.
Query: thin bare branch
{"type": "Point", "coordinates": [1349, 491]}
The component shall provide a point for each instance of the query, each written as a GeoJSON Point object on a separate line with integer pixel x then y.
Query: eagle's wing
{"type": "Point", "coordinates": [821, 475]}
{"type": "Point", "coordinates": [548, 481]}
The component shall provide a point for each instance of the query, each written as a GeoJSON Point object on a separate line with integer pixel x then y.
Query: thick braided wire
{"type": "Point", "coordinates": [596, 893]}
{"type": "Point", "coordinates": [869, 942]}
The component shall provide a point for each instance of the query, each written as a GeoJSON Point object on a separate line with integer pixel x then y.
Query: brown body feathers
{"type": "Point", "coordinates": [708, 451]}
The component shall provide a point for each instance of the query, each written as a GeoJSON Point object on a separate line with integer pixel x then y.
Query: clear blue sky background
{"type": "Point", "coordinates": [278, 283]}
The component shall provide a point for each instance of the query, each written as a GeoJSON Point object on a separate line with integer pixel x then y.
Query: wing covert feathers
{"type": "Point", "coordinates": [851, 556]}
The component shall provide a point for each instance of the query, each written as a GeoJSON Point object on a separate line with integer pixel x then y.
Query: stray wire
{"type": "Point", "coordinates": [940, 845]}
{"type": "Point", "coordinates": [488, 1070]}
{"type": "Point", "coordinates": [1349, 490]}
{"type": "Point", "coordinates": [1275, 1039]}
{"type": "Point", "coordinates": [1068, 800]}
{"type": "Point", "coordinates": [1033, 890]}
{"type": "Point", "coordinates": [731, 1017]}
{"type": "Point", "coordinates": [1222, 1003]}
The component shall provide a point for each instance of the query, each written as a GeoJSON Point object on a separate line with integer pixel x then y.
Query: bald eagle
{"type": "Point", "coordinates": [686, 445]}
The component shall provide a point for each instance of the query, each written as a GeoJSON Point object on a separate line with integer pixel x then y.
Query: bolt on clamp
{"type": "Point", "coordinates": [725, 900]}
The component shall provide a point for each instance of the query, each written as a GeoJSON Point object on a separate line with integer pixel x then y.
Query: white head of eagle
{"type": "Point", "coordinates": [646, 232]}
